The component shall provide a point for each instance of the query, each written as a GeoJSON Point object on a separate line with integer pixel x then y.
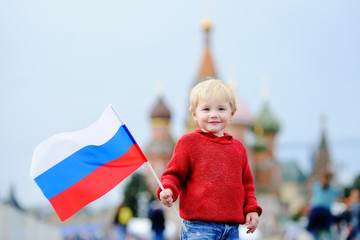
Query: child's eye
{"type": "Point", "coordinates": [206, 109]}
{"type": "Point", "coordinates": [222, 109]}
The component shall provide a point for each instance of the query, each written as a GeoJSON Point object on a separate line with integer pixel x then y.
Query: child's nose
{"type": "Point", "coordinates": [213, 114]}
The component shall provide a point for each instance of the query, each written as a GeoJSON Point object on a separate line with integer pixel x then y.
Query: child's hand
{"type": "Point", "coordinates": [166, 197]}
{"type": "Point", "coordinates": [252, 220]}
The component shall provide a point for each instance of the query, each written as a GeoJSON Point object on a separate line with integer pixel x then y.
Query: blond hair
{"type": "Point", "coordinates": [211, 88]}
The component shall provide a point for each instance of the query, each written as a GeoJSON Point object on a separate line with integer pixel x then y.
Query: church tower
{"type": "Point", "coordinates": [206, 70]}
{"type": "Point", "coordinates": [207, 67]}
{"type": "Point", "coordinates": [266, 170]}
{"type": "Point", "coordinates": [161, 146]}
{"type": "Point", "coordinates": [322, 160]}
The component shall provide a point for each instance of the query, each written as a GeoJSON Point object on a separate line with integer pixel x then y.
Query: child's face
{"type": "Point", "coordinates": [213, 115]}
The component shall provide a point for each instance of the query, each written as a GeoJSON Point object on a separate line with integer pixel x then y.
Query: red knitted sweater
{"type": "Point", "coordinates": [212, 178]}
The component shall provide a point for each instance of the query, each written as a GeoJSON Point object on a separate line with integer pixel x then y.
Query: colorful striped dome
{"type": "Point", "coordinates": [267, 120]}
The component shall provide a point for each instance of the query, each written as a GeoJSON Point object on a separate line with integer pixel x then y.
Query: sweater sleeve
{"type": "Point", "coordinates": [249, 187]}
{"type": "Point", "coordinates": [175, 174]}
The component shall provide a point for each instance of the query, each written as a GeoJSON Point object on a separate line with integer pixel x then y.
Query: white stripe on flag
{"type": "Point", "coordinates": [58, 147]}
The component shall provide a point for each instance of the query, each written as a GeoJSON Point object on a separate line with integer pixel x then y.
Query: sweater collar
{"type": "Point", "coordinates": [211, 137]}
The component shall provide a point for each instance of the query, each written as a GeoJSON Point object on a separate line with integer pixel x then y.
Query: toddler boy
{"type": "Point", "coordinates": [209, 170]}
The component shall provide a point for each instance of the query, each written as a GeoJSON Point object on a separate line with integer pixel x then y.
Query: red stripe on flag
{"type": "Point", "coordinates": [97, 183]}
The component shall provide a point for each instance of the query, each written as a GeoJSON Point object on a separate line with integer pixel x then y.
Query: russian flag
{"type": "Point", "coordinates": [75, 168]}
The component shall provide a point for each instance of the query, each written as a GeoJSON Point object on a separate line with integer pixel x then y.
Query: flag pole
{"type": "Point", "coordinates": [152, 171]}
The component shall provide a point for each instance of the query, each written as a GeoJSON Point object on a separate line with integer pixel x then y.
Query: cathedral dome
{"type": "Point", "coordinates": [267, 120]}
{"type": "Point", "coordinates": [160, 110]}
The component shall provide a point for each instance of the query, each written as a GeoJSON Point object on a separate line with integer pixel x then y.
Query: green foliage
{"type": "Point", "coordinates": [347, 192]}
{"type": "Point", "coordinates": [136, 185]}
{"type": "Point", "coordinates": [357, 182]}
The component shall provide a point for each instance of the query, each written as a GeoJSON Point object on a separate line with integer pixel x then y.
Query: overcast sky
{"type": "Point", "coordinates": [63, 62]}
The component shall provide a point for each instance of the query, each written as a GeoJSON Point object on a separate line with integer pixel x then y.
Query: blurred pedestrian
{"type": "Point", "coordinates": [354, 214]}
{"type": "Point", "coordinates": [324, 195]}
{"type": "Point", "coordinates": [121, 220]}
{"type": "Point", "coordinates": [156, 215]}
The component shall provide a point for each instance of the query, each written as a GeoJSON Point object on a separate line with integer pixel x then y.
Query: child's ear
{"type": "Point", "coordinates": [232, 115]}
{"type": "Point", "coordinates": [194, 116]}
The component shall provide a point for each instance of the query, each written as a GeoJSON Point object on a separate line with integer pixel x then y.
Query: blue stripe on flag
{"type": "Point", "coordinates": [81, 163]}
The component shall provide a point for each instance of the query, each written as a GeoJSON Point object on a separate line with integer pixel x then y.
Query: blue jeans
{"type": "Point", "coordinates": [202, 230]}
